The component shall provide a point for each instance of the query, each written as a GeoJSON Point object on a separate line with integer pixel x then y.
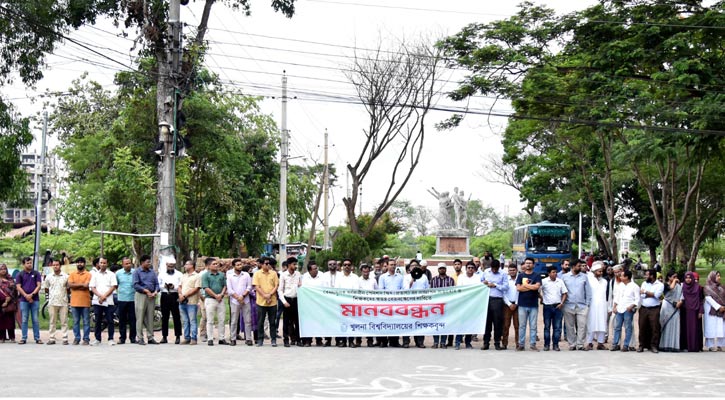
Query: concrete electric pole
{"type": "Point", "coordinates": [284, 156]}
{"type": "Point", "coordinates": [169, 67]}
{"type": "Point", "coordinates": [326, 190]}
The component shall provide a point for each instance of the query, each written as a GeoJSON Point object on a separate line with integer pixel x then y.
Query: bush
{"type": "Point", "coordinates": [352, 246]}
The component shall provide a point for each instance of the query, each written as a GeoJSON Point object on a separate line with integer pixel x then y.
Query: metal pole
{"type": "Point", "coordinates": [579, 248]}
{"type": "Point", "coordinates": [283, 175]}
{"type": "Point", "coordinates": [326, 189]}
{"type": "Point", "coordinates": [38, 207]}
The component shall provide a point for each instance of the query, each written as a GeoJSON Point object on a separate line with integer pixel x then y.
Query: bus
{"type": "Point", "coordinates": [547, 243]}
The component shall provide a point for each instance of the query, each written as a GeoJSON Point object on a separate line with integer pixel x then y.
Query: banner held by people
{"type": "Point", "coordinates": [343, 312]}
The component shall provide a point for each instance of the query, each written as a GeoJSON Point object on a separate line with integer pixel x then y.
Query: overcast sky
{"type": "Point", "coordinates": [314, 47]}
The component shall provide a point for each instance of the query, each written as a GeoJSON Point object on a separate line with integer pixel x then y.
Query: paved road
{"type": "Point", "coordinates": [165, 371]}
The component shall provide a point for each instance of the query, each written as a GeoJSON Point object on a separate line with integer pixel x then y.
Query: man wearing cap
{"type": "Point", "coordinates": [424, 267]}
{"type": "Point", "coordinates": [467, 279]}
{"type": "Point", "coordinates": [498, 284]}
{"type": "Point", "coordinates": [289, 281]}
{"type": "Point", "coordinates": [576, 305]}
{"type": "Point", "coordinates": [441, 281]}
{"type": "Point", "coordinates": [597, 318]}
{"type": "Point", "coordinates": [169, 282]}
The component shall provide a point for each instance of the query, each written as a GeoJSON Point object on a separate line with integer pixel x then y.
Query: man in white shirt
{"type": "Point", "coordinates": [626, 300]}
{"type": "Point", "coordinates": [347, 280]}
{"type": "Point", "coordinates": [649, 314]}
{"type": "Point", "coordinates": [467, 279]}
{"type": "Point", "coordinates": [367, 282]}
{"type": "Point", "coordinates": [103, 283]}
{"type": "Point", "coordinates": [169, 282]}
{"type": "Point", "coordinates": [289, 281]}
{"type": "Point", "coordinates": [313, 278]}
{"type": "Point", "coordinates": [510, 311]}
{"type": "Point", "coordinates": [597, 317]}
{"type": "Point", "coordinates": [553, 294]}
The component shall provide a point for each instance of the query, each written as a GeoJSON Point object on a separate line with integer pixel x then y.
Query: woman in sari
{"type": "Point", "coordinates": [9, 303]}
{"type": "Point", "coordinates": [714, 313]}
{"type": "Point", "coordinates": [691, 314]}
{"type": "Point", "coordinates": [670, 314]}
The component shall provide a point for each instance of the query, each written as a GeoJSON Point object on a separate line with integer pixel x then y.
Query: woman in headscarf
{"type": "Point", "coordinates": [9, 303]}
{"type": "Point", "coordinates": [714, 313]}
{"type": "Point", "coordinates": [691, 314]}
{"type": "Point", "coordinates": [670, 314]}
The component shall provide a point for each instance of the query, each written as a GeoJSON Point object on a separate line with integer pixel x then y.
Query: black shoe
{"type": "Point", "coordinates": [405, 346]}
{"type": "Point", "coordinates": [178, 340]}
{"type": "Point", "coordinates": [383, 345]}
{"type": "Point", "coordinates": [210, 343]}
{"type": "Point", "coordinates": [420, 346]}
{"type": "Point", "coordinates": [498, 346]}
{"type": "Point", "coordinates": [121, 342]}
{"type": "Point", "coordinates": [486, 346]}
{"type": "Point", "coordinates": [223, 342]}
{"type": "Point", "coordinates": [286, 344]}
{"type": "Point", "coordinates": [163, 340]}
{"type": "Point", "coordinates": [248, 342]}
{"type": "Point", "coordinates": [300, 344]}
{"type": "Point", "coordinates": [152, 341]}
{"type": "Point", "coordinates": [615, 348]}
{"type": "Point", "coordinates": [328, 344]}
{"type": "Point", "coordinates": [232, 342]}
{"type": "Point", "coordinates": [443, 346]}
{"type": "Point", "coordinates": [640, 349]}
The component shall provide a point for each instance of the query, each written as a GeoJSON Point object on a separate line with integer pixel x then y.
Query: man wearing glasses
{"type": "Point", "coordinates": [265, 283]}
{"type": "Point", "coordinates": [347, 280]}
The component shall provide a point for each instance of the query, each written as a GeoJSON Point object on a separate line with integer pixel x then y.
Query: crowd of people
{"type": "Point", "coordinates": [585, 306]}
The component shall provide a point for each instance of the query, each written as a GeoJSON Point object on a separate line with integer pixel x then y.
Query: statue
{"type": "Point", "coordinates": [444, 208]}
{"type": "Point", "coordinates": [460, 207]}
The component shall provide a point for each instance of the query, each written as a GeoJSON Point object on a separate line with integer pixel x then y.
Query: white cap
{"type": "Point", "coordinates": [423, 263]}
{"type": "Point", "coordinates": [167, 260]}
{"type": "Point", "coordinates": [442, 265]}
{"type": "Point", "coordinates": [597, 265]}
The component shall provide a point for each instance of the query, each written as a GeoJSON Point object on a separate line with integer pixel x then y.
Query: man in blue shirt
{"type": "Point", "coordinates": [391, 282]}
{"type": "Point", "coordinates": [528, 283]}
{"type": "Point", "coordinates": [125, 307]}
{"type": "Point", "coordinates": [498, 284]}
{"type": "Point", "coordinates": [146, 285]}
{"type": "Point", "coordinates": [576, 306]}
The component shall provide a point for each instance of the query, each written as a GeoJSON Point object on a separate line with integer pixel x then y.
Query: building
{"type": "Point", "coordinates": [25, 216]}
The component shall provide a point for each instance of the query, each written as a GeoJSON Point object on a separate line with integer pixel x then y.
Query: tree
{"type": "Point", "coordinates": [599, 102]}
{"type": "Point", "coordinates": [397, 89]}
{"type": "Point", "coordinates": [352, 246]}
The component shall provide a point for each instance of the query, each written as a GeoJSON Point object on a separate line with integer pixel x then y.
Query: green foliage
{"type": "Point", "coordinates": [427, 245]}
{"type": "Point", "coordinates": [378, 236]}
{"type": "Point", "coordinates": [353, 246]}
{"type": "Point", "coordinates": [495, 242]}
{"type": "Point", "coordinates": [321, 257]}
{"type": "Point", "coordinates": [81, 243]}
{"type": "Point", "coordinates": [713, 251]}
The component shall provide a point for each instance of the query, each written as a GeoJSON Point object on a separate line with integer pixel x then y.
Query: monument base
{"type": "Point", "coordinates": [452, 245]}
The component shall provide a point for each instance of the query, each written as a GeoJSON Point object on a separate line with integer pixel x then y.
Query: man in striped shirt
{"type": "Point", "coordinates": [440, 281]}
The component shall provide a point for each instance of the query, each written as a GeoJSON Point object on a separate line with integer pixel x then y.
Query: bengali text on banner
{"type": "Point", "coordinates": [347, 312]}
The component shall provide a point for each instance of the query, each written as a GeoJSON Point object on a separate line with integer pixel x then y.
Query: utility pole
{"type": "Point", "coordinates": [326, 189]}
{"type": "Point", "coordinates": [283, 175]}
{"type": "Point", "coordinates": [169, 68]}
{"type": "Point", "coordinates": [39, 200]}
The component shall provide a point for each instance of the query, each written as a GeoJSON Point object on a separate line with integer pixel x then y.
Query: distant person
{"type": "Point", "coordinates": [670, 314]}
{"type": "Point", "coordinates": [467, 279]}
{"type": "Point", "coordinates": [313, 278]}
{"type": "Point", "coordinates": [576, 305]}
{"type": "Point", "coordinates": [56, 294]}
{"type": "Point", "coordinates": [597, 326]}
{"type": "Point", "coordinates": [498, 284]}
{"type": "Point", "coordinates": [103, 283]}
{"type": "Point", "coordinates": [28, 283]}
{"type": "Point", "coordinates": [80, 302]}
{"type": "Point", "coordinates": [289, 281]}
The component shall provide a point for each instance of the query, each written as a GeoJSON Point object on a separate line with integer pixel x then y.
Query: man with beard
{"type": "Point", "coordinates": [510, 311]}
{"type": "Point", "coordinates": [80, 301]}
{"type": "Point", "coordinates": [649, 314]}
{"type": "Point", "coordinates": [528, 283]}
{"type": "Point", "coordinates": [169, 282]}
{"type": "Point", "coordinates": [146, 285]}
{"type": "Point", "coordinates": [189, 302]}
{"type": "Point", "coordinates": [597, 318]}
{"type": "Point", "coordinates": [239, 285]}
{"type": "Point", "coordinates": [497, 282]}
{"type": "Point", "coordinates": [467, 279]}
{"type": "Point", "coordinates": [576, 306]}
{"type": "Point", "coordinates": [441, 281]}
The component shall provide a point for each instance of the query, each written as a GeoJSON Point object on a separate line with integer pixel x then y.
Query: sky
{"type": "Point", "coordinates": [315, 47]}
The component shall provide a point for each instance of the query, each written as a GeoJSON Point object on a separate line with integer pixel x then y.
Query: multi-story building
{"type": "Point", "coordinates": [20, 216]}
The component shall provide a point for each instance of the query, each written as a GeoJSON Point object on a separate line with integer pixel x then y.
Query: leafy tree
{"type": "Point", "coordinates": [353, 246]}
